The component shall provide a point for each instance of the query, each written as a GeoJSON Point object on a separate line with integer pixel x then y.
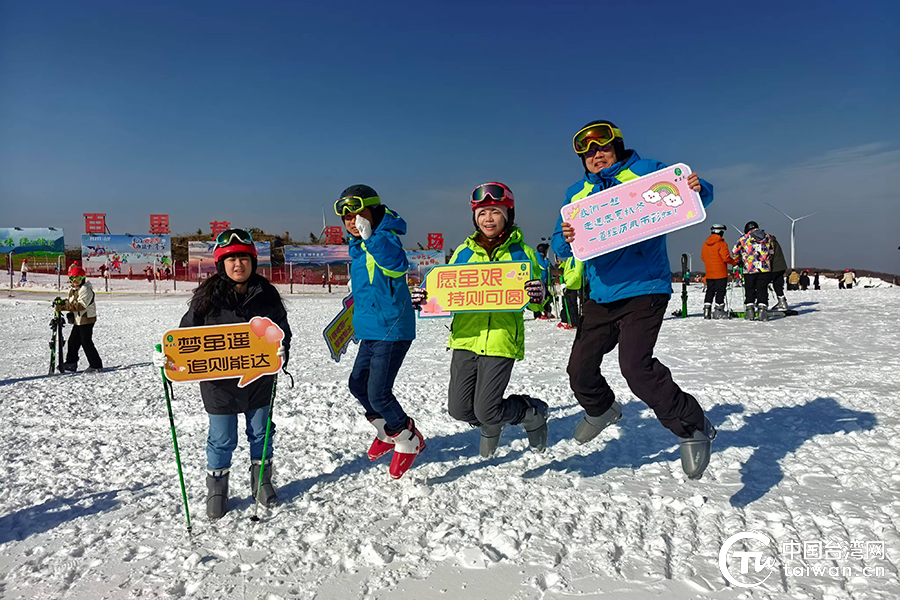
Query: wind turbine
{"type": "Point", "coordinates": [793, 224]}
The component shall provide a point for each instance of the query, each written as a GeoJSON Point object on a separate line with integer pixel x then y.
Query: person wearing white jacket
{"type": "Point", "coordinates": [80, 303]}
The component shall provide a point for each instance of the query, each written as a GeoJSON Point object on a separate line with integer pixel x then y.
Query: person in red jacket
{"type": "Point", "coordinates": [716, 257]}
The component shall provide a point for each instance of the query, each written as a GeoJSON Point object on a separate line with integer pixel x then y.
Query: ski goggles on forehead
{"type": "Point", "coordinates": [354, 204]}
{"type": "Point", "coordinates": [491, 192]}
{"type": "Point", "coordinates": [600, 135]}
{"type": "Point", "coordinates": [230, 236]}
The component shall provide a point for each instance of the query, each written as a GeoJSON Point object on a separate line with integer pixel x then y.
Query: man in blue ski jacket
{"type": "Point", "coordinates": [383, 322]}
{"type": "Point", "coordinates": [629, 291]}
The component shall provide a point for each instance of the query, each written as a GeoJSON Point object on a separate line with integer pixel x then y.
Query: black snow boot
{"type": "Point", "coordinates": [490, 439]}
{"type": "Point", "coordinates": [265, 495]}
{"type": "Point", "coordinates": [695, 450]}
{"type": "Point", "coordinates": [707, 311]}
{"type": "Point", "coordinates": [217, 493]}
{"type": "Point", "coordinates": [590, 427]}
{"type": "Point", "coordinates": [535, 422]}
{"type": "Point", "coordinates": [750, 312]}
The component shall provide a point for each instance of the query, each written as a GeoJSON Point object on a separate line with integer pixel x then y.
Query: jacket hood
{"type": "Point", "coordinates": [713, 239]}
{"type": "Point", "coordinates": [758, 234]}
{"type": "Point", "coordinates": [608, 175]}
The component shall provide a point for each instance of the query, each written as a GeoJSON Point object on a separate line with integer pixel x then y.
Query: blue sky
{"type": "Point", "coordinates": [261, 113]}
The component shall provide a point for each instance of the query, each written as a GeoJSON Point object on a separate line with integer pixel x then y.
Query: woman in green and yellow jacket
{"type": "Point", "coordinates": [486, 345]}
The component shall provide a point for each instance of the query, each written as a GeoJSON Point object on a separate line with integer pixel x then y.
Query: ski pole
{"type": "Point", "coordinates": [262, 463]}
{"type": "Point", "coordinates": [162, 371]}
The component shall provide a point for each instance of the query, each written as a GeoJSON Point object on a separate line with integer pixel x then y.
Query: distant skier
{"type": "Point", "coordinates": [81, 303]}
{"type": "Point", "coordinates": [754, 249]}
{"type": "Point", "coordinates": [804, 281]}
{"type": "Point", "coordinates": [793, 281]}
{"type": "Point", "coordinates": [779, 266]}
{"type": "Point", "coordinates": [816, 281]}
{"type": "Point", "coordinates": [848, 279]}
{"type": "Point", "coordinates": [629, 292]}
{"type": "Point", "coordinates": [24, 268]}
{"type": "Point", "coordinates": [235, 293]}
{"type": "Point", "coordinates": [383, 322]}
{"type": "Point", "coordinates": [486, 345]}
{"type": "Point", "coordinates": [545, 311]}
{"type": "Point", "coordinates": [716, 259]}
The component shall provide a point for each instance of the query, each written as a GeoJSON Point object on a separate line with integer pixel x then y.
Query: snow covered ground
{"type": "Point", "coordinates": [808, 452]}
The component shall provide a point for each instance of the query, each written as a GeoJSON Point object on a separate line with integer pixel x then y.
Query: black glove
{"type": "Point", "coordinates": [418, 296]}
{"type": "Point", "coordinates": [536, 291]}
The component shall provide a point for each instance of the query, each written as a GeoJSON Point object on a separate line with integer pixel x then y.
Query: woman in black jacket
{"type": "Point", "coordinates": [236, 294]}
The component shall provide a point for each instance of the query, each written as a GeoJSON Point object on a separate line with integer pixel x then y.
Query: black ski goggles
{"type": "Point", "coordinates": [228, 237]}
{"type": "Point", "coordinates": [354, 204]}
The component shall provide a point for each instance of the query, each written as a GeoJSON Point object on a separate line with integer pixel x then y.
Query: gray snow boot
{"type": "Point", "coordinates": [718, 311]}
{"type": "Point", "coordinates": [696, 449]}
{"type": "Point", "coordinates": [590, 427]}
{"type": "Point", "coordinates": [750, 312]}
{"type": "Point", "coordinates": [782, 303]}
{"type": "Point", "coordinates": [490, 439]}
{"type": "Point", "coordinates": [707, 311]}
{"type": "Point", "coordinates": [762, 312]}
{"type": "Point", "coordinates": [266, 494]}
{"type": "Point", "coordinates": [535, 423]}
{"type": "Point", "coordinates": [217, 493]}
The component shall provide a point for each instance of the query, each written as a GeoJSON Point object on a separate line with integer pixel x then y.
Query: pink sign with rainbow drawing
{"type": "Point", "coordinates": [632, 212]}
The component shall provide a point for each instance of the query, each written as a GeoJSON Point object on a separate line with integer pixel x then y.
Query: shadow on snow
{"type": "Point", "coordinates": [56, 511]}
{"type": "Point", "coordinates": [773, 434]}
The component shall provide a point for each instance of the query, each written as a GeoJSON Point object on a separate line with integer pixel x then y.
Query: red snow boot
{"type": "Point", "coordinates": [382, 444]}
{"type": "Point", "coordinates": [408, 443]}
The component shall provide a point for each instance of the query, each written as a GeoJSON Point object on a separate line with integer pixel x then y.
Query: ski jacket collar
{"type": "Point", "coordinates": [607, 177]}
{"type": "Point", "coordinates": [390, 222]}
{"type": "Point", "coordinates": [514, 236]}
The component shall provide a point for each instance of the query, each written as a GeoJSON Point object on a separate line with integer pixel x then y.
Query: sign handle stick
{"type": "Point", "coordinates": [187, 513]}
{"type": "Point", "coordinates": [262, 464]}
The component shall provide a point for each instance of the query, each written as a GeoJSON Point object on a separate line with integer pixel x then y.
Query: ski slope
{"type": "Point", "coordinates": [808, 451]}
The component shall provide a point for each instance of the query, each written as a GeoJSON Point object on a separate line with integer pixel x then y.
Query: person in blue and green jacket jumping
{"type": "Point", "coordinates": [486, 345]}
{"type": "Point", "coordinates": [383, 322]}
{"type": "Point", "coordinates": [629, 291]}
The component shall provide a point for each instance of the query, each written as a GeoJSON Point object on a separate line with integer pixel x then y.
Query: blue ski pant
{"type": "Point", "coordinates": [223, 437]}
{"type": "Point", "coordinates": [372, 380]}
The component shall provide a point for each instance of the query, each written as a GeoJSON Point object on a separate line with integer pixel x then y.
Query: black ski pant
{"type": "Point", "coordinates": [715, 289]}
{"type": "Point", "coordinates": [778, 283]}
{"type": "Point", "coordinates": [477, 384]}
{"type": "Point", "coordinates": [82, 337]}
{"type": "Point", "coordinates": [632, 324]}
{"type": "Point", "coordinates": [569, 313]}
{"type": "Point", "coordinates": [756, 288]}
